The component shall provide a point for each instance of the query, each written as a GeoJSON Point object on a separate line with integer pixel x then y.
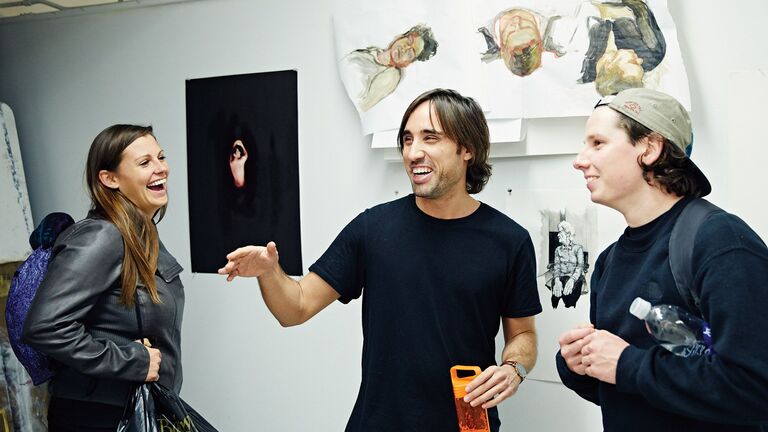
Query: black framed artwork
{"type": "Point", "coordinates": [243, 167]}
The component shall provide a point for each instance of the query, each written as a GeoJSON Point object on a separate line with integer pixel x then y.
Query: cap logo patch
{"type": "Point", "coordinates": [632, 106]}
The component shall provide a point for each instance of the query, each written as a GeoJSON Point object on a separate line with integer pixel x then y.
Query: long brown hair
{"type": "Point", "coordinates": [138, 231]}
{"type": "Point", "coordinates": [463, 121]}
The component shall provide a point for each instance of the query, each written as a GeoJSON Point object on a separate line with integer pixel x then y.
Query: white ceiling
{"type": "Point", "coordinates": [12, 8]}
{"type": "Point", "coordinates": [19, 9]}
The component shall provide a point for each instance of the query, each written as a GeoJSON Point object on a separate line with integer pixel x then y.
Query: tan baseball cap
{"type": "Point", "coordinates": [664, 115]}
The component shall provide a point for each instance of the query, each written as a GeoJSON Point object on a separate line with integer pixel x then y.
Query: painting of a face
{"type": "Point", "coordinates": [404, 50]}
{"type": "Point", "coordinates": [618, 70]}
{"type": "Point", "coordinates": [520, 41]}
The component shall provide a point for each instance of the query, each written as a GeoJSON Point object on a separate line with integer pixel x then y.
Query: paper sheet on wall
{"type": "Point", "coordinates": [541, 213]}
{"type": "Point", "coordinates": [554, 86]}
{"type": "Point", "coordinates": [16, 218]}
{"type": "Point", "coordinates": [747, 91]}
{"type": "Point", "coordinates": [382, 92]}
{"type": "Point", "coordinates": [522, 59]}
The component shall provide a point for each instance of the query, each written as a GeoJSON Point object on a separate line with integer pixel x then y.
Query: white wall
{"type": "Point", "coordinates": [68, 78]}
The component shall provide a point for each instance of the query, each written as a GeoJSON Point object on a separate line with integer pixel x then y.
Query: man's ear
{"type": "Point", "coordinates": [654, 145]}
{"type": "Point", "coordinates": [108, 179]}
{"type": "Point", "coordinates": [467, 154]}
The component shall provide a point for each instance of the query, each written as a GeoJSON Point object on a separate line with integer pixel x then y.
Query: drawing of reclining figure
{"type": "Point", "coordinates": [379, 70]}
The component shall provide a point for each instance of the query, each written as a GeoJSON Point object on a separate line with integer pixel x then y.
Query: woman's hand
{"type": "Point", "coordinates": [155, 357]}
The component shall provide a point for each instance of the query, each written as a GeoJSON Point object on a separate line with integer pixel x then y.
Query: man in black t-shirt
{"type": "Point", "coordinates": [439, 272]}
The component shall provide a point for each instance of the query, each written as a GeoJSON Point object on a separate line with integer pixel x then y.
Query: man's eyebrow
{"type": "Point", "coordinates": [424, 131]}
{"type": "Point", "coordinates": [432, 131]}
{"type": "Point", "coordinates": [592, 136]}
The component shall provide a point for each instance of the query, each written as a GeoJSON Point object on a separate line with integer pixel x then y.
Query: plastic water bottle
{"type": "Point", "coordinates": [674, 328]}
{"type": "Point", "coordinates": [471, 419]}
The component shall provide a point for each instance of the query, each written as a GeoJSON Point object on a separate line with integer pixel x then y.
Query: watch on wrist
{"type": "Point", "coordinates": [518, 367]}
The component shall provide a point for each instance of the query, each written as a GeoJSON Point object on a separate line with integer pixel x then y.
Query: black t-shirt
{"type": "Point", "coordinates": [433, 291]}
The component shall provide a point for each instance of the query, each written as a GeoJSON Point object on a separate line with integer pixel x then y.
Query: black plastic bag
{"type": "Point", "coordinates": [153, 408]}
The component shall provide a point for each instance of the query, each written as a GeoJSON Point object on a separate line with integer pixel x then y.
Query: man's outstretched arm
{"type": "Point", "coordinates": [292, 302]}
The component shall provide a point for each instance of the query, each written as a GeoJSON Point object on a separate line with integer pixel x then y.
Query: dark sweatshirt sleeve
{"type": "Point", "coordinates": [731, 271]}
{"type": "Point", "coordinates": [585, 386]}
{"type": "Point", "coordinates": [86, 263]}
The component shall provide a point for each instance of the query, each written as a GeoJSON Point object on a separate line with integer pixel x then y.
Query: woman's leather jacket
{"type": "Point", "coordinates": [77, 318]}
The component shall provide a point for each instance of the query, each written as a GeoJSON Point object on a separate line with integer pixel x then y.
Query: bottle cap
{"type": "Point", "coordinates": [459, 383]}
{"type": "Point", "coordinates": [640, 308]}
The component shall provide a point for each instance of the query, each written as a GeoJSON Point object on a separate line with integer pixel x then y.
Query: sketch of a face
{"type": "Point", "coordinates": [520, 41]}
{"type": "Point", "coordinates": [618, 70]}
{"type": "Point", "coordinates": [237, 158]}
{"type": "Point", "coordinates": [405, 50]}
{"type": "Point", "coordinates": [435, 164]}
{"type": "Point", "coordinates": [565, 233]}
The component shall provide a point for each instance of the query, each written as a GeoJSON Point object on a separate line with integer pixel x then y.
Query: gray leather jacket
{"type": "Point", "coordinates": [77, 319]}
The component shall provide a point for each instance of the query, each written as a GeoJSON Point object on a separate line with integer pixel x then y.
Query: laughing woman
{"type": "Point", "coordinates": [111, 283]}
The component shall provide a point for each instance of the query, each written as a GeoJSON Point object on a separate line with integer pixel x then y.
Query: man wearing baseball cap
{"type": "Point", "coordinates": [636, 160]}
